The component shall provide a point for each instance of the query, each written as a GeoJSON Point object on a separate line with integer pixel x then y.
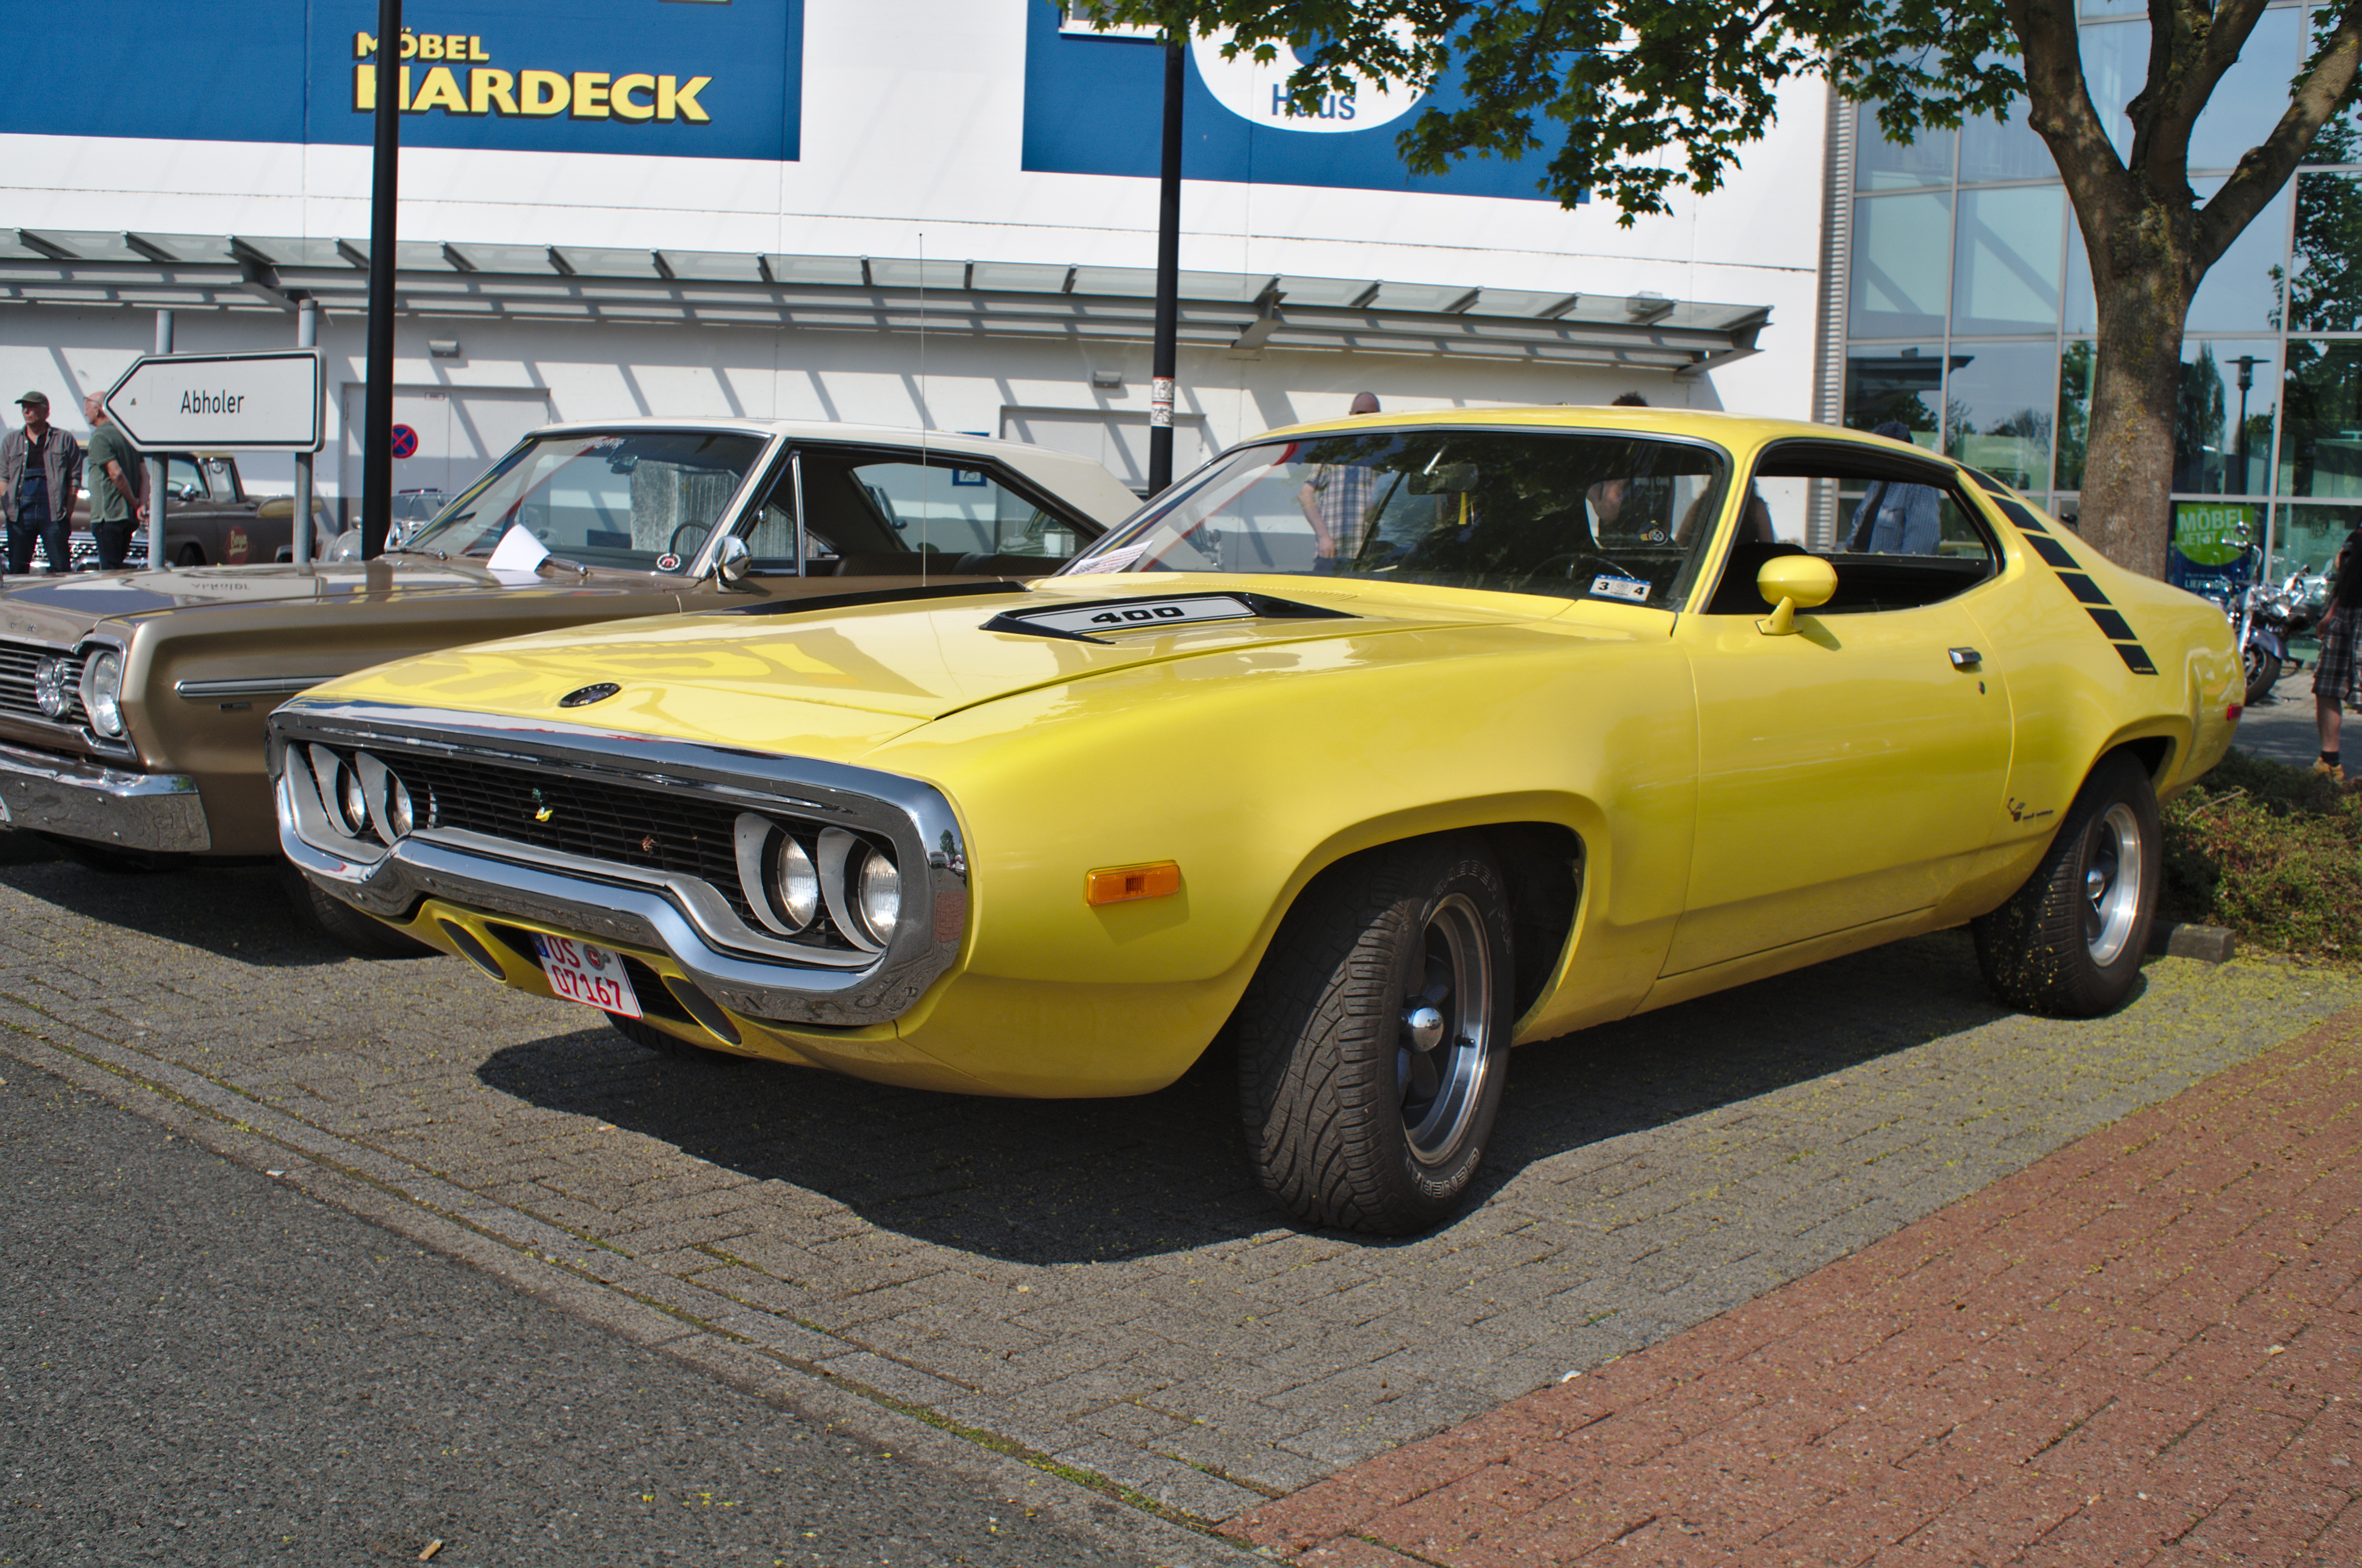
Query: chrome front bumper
{"type": "Point", "coordinates": [84, 799]}
{"type": "Point", "coordinates": [752, 973]}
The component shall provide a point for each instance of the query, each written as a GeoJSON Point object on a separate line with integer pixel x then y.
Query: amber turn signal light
{"type": "Point", "coordinates": [1122, 884]}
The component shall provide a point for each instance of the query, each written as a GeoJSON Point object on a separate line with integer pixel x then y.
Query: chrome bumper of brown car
{"type": "Point", "coordinates": [78, 798]}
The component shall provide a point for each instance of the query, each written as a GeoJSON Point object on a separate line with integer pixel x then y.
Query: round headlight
{"type": "Point", "coordinates": [878, 895]}
{"type": "Point", "coordinates": [102, 692]}
{"type": "Point", "coordinates": [397, 806]}
{"type": "Point", "coordinates": [351, 799]}
{"type": "Point", "coordinates": [796, 884]}
{"type": "Point", "coordinates": [51, 689]}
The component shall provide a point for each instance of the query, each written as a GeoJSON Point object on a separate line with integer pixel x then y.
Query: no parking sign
{"type": "Point", "coordinates": [405, 441]}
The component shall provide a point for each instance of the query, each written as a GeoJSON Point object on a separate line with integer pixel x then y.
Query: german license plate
{"type": "Point", "coordinates": [591, 975]}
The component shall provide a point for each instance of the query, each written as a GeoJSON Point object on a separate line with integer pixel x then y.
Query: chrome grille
{"type": "Point", "coordinates": [650, 829]}
{"type": "Point", "coordinates": [18, 663]}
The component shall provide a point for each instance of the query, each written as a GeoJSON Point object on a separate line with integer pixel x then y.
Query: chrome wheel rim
{"type": "Point", "coordinates": [2112, 883]}
{"type": "Point", "coordinates": [1442, 1052]}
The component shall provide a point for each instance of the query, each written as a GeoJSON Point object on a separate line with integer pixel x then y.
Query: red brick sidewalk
{"type": "Point", "coordinates": [2145, 1347]}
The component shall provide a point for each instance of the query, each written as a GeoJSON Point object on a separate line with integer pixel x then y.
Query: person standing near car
{"type": "Point", "coordinates": [1337, 502]}
{"type": "Point", "coordinates": [114, 469]}
{"type": "Point", "coordinates": [41, 473]}
{"type": "Point", "coordinates": [2338, 675]}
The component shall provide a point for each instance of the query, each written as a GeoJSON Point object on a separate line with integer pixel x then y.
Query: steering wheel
{"type": "Point", "coordinates": [1576, 559]}
{"type": "Point", "coordinates": [689, 539]}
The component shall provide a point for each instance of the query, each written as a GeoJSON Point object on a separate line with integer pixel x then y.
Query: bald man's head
{"type": "Point", "coordinates": [1366, 403]}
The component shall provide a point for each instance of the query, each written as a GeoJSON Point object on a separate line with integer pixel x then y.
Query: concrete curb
{"type": "Point", "coordinates": [2207, 943]}
{"type": "Point", "coordinates": [770, 1358]}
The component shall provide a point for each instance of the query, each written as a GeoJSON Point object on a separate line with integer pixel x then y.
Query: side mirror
{"type": "Point", "coordinates": [731, 561]}
{"type": "Point", "coordinates": [1789, 583]}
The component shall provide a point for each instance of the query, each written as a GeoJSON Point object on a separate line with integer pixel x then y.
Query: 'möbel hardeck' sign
{"type": "Point", "coordinates": [246, 403]}
{"type": "Point", "coordinates": [598, 76]}
{"type": "Point", "coordinates": [468, 84]}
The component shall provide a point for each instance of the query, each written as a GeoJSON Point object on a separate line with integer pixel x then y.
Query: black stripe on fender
{"type": "Point", "coordinates": [2085, 591]}
{"type": "Point", "coordinates": [2135, 658]}
{"type": "Point", "coordinates": [2112, 625]}
{"type": "Point", "coordinates": [2027, 522]}
{"type": "Point", "coordinates": [1990, 485]}
{"type": "Point", "coordinates": [2050, 550]}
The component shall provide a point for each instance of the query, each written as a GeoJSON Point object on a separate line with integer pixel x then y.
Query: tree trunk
{"type": "Point", "coordinates": [2143, 291]}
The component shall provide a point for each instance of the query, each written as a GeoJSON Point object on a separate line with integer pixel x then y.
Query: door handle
{"type": "Point", "coordinates": [1966, 658]}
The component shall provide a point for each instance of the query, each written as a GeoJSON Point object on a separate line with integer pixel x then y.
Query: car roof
{"type": "Point", "coordinates": [1733, 430]}
{"type": "Point", "coordinates": [1078, 480]}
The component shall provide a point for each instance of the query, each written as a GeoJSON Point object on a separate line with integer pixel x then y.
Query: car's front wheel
{"type": "Point", "coordinates": [2070, 942]}
{"type": "Point", "coordinates": [1375, 1039]}
{"type": "Point", "coordinates": [346, 926]}
{"type": "Point", "coordinates": [648, 1037]}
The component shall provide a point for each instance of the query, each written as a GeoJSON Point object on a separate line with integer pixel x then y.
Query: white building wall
{"type": "Point", "coordinates": [906, 151]}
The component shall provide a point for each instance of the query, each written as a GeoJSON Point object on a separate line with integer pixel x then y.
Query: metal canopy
{"type": "Point", "coordinates": [1244, 312]}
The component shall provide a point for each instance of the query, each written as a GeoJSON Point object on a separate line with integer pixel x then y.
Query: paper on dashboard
{"type": "Point", "coordinates": [517, 556]}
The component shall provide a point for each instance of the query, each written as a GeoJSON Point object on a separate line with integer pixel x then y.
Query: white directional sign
{"type": "Point", "coordinates": [240, 402]}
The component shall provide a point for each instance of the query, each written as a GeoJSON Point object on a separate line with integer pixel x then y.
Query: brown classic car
{"type": "Point", "coordinates": [132, 703]}
{"type": "Point", "coordinates": [209, 519]}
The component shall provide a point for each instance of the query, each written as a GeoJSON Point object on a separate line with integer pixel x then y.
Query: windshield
{"type": "Point", "coordinates": [1571, 514]}
{"type": "Point", "coordinates": [643, 500]}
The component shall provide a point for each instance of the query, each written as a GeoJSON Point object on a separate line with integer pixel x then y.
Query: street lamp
{"type": "Point", "coordinates": [2246, 363]}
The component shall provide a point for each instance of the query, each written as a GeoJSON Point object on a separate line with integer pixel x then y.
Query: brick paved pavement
{"type": "Point", "coordinates": [2145, 1347]}
{"type": "Point", "coordinates": [1097, 1281]}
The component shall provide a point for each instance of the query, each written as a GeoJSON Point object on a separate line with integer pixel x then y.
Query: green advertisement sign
{"type": "Point", "coordinates": [2212, 533]}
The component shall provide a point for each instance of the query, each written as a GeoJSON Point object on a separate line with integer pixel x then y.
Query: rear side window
{"type": "Point", "coordinates": [1905, 534]}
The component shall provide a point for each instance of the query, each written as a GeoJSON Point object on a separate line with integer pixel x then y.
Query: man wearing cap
{"type": "Point", "coordinates": [41, 473]}
{"type": "Point", "coordinates": [113, 470]}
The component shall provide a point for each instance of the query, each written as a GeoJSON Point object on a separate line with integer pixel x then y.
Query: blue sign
{"type": "Point", "coordinates": [616, 76]}
{"type": "Point", "coordinates": [1094, 104]}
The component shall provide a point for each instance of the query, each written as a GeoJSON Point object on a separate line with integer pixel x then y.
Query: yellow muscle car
{"type": "Point", "coordinates": [1382, 745]}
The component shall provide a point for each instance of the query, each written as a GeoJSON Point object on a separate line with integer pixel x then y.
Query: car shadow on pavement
{"type": "Point", "coordinates": [1071, 1181]}
{"type": "Point", "coordinates": [238, 913]}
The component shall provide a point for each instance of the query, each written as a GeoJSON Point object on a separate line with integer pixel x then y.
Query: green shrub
{"type": "Point", "coordinates": [2273, 851]}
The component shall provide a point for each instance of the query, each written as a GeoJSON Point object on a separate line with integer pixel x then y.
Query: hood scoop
{"type": "Point", "coordinates": [1095, 620]}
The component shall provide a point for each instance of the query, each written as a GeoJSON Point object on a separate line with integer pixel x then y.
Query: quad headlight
{"type": "Point", "coordinates": [53, 686]}
{"type": "Point", "coordinates": [102, 692]}
{"type": "Point", "coordinates": [361, 797]}
{"type": "Point", "coordinates": [878, 895]}
{"type": "Point", "coordinates": [793, 877]}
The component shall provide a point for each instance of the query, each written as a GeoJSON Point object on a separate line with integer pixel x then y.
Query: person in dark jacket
{"type": "Point", "coordinates": [2338, 676]}
{"type": "Point", "coordinates": [40, 475]}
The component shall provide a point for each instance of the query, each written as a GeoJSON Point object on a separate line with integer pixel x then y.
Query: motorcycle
{"type": "Point", "coordinates": [2270, 617]}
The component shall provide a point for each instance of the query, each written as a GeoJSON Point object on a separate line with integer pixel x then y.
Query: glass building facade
{"type": "Point", "coordinates": [1969, 310]}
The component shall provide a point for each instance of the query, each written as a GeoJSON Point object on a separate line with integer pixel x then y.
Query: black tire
{"type": "Point", "coordinates": [2070, 942]}
{"type": "Point", "coordinates": [2263, 673]}
{"type": "Point", "coordinates": [189, 555]}
{"type": "Point", "coordinates": [346, 926]}
{"type": "Point", "coordinates": [640, 1032]}
{"type": "Point", "coordinates": [1342, 1126]}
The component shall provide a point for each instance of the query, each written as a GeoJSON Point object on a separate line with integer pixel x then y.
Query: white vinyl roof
{"type": "Point", "coordinates": [1242, 311]}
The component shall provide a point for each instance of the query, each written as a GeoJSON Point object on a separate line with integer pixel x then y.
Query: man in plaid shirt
{"type": "Point", "coordinates": [1337, 502]}
{"type": "Point", "coordinates": [2337, 677]}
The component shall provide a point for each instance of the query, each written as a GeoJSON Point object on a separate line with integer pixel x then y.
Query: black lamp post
{"type": "Point", "coordinates": [377, 398]}
{"type": "Point", "coordinates": [1161, 369]}
{"type": "Point", "coordinates": [2246, 363]}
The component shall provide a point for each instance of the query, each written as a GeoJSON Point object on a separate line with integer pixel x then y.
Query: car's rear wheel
{"type": "Point", "coordinates": [2070, 942]}
{"type": "Point", "coordinates": [1374, 1041]}
{"type": "Point", "coordinates": [648, 1035]}
{"type": "Point", "coordinates": [347, 925]}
